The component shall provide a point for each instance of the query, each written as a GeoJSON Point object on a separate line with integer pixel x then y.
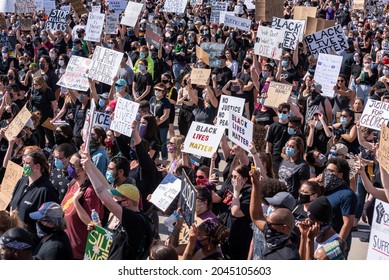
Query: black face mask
{"type": "Point", "coordinates": [59, 138]}
{"type": "Point", "coordinates": [6, 115]}
{"type": "Point", "coordinates": [274, 239]}
{"type": "Point", "coordinates": [246, 66]}
{"type": "Point", "coordinates": [304, 198]}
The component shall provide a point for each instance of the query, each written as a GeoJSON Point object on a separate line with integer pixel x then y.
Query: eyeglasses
{"type": "Point", "coordinates": [170, 143]}
{"type": "Point", "coordinates": [200, 177]}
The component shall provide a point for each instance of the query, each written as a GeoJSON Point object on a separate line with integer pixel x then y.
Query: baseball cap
{"type": "Point", "coordinates": [104, 95]}
{"type": "Point", "coordinates": [126, 190]}
{"type": "Point", "coordinates": [221, 56]}
{"type": "Point", "coordinates": [121, 82]}
{"type": "Point", "coordinates": [282, 199]}
{"type": "Point", "coordinates": [50, 210]}
{"type": "Point", "coordinates": [5, 49]}
{"type": "Point", "coordinates": [17, 238]}
{"type": "Point", "coordinates": [341, 149]}
{"type": "Point", "coordinates": [320, 210]}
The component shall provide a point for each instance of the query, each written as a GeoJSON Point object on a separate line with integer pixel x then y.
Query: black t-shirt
{"type": "Point", "coordinates": [287, 252]}
{"type": "Point", "coordinates": [289, 75]}
{"type": "Point", "coordinates": [157, 107]}
{"type": "Point", "coordinates": [41, 101]}
{"type": "Point", "coordinates": [142, 81]}
{"type": "Point", "coordinates": [224, 77]}
{"type": "Point", "coordinates": [57, 247]}
{"type": "Point", "coordinates": [60, 180]}
{"type": "Point", "coordinates": [264, 118]}
{"type": "Point", "coordinates": [204, 114]}
{"type": "Point", "coordinates": [51, 78]}
{"type": "Point", "coordinates": [277, 135]}
{"type": "Point", "coordinates": [292, 173]}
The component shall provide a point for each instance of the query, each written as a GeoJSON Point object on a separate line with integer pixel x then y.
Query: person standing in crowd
{"type": "Point", "coordinates": [17, 244]}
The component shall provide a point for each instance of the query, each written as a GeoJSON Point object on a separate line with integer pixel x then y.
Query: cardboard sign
{"type": "Point", "coordinates": [7, 6]}
{"type": "Point", "coordinates": [26, 23]}
{"type": "Point", "coordinates": [17, 123]}
{"type": "Point", "coordinates": [166, 192]}
{"type": "Point", "coordinates": [203, 139]}
{"type": "Point", "coordinates": [327, 41]}
{"type": "Point", "coordinates": [383, 155]}
{"type": "Point", "coordinates": [375, 114]}
{"type": "Point", "coordinates": [269, 42]}
{"type": "Point", "coordinates": [98, 243]}
{"type": "Point", "coordinates": [266, 9]}
{"type": "Point", "coordinates": [302, 12]}
{"type": "Point", "coordinates": [76, 74]}
{"type": "Point", "coordinates": [200, 76]}
{"type": "Point", "coordinates": [229, 104]}
{"type": "Point", "coordinates": [358, 4]}
{"type": "Point", "coordinates": [317, 24]}
{"type": "Point", "coordinates": [237, 22]}
{"type": "Point", "coordinates": [202, 55]}
{"type": "Point", "coordinates": [294, 31]}
{"type": "Point", "coordinates": [379, 237]}
{"type": "Point", "coordinates": [175, 6]}
{"type": "Point", "coordinates": [13, 173]}
{"type": "Point", "coordinates": [57, 20]}
{"type": "Point", "coordinates": [94, 27]}
{"type": "Point", "coordinates": [240, 130]}
{"type": "Point", "coordinates": [78, 7]}
{"type": "Point", "coordinates": [125, 114]}
{"type": "Point", "coordinates": [105, 65]}
{"type": "Point", "coordinates": [153, 35]}
{"type": "Point", "coordinates": [47, 124]}
{"type": "Point", "coordinates": [277, 93]}
{"type": "Point", "coordinates": [117, 6]}
{"type": "Point", "coordinates": [25, 6]}
{"type": "Point", "coordinates": [213, 50]}
{"type": "Point", "coordinates": [111, 23]}
{"type": "Point", "coordinates": [217, 7]}
{"type": "Point", "coordinates": [131, 13]}
{"type": "Point", "coordinates": [327, 72]}
{"type": "Point", "coordinates": [188, 200]}
{"type": "Point", "coordinates": [89, 125]}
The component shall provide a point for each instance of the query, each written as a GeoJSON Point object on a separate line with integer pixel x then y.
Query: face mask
{"type": "Point", "coordinates": [290, 152]}
{"type": "Point", "coordinates": [141, 67]}
{"type": "Point", "coordinates": [42, 65]}
{"type": "Point", "coordinates": [206, 32]}
{"type": "Point", "coordinates": [375, 43]}
{"type": "Point", "coordinates": [190, 25]}
{"type": "Point", "coordinates": [318, 124]}
{"type": "Point", "coordinates": [246, 66]}
{"type": "Point", "coordinates": [101, 103]}
{"type": "Point", "coordinates": [262, 101]}
{"type": "Point", "coordinates": [343, 121]}
{"type": "Point", "coordinates": [284, 63]}
{"type": "Point", "coordinates": [142, 130]}
{"type": "Point", "coordinates": [235, 88]}
{"type": "Point", "coordinates": [109, 176]}
{"type": "Point", "coordinates": [142, 55]}
{"type": "Point", "coordinates": [385, 72]}
{"type": "Point", "coordinates": [72, 172]}
{"type": "Point", "coordinates": [218, 63]}
{"type": "Point", "coordinates": [304, 198]}
{"type": "Point", "coordinates": [200, 182]}
{"type": "Point", "coordinates": [291, 131]}
{"type": "Point", "coordinates": [322, 159]}
{"type": "Point", "coordinates": [171, 149]}
{"type": "Point", "coordinates": [6, 115]}
{"type": "Point", "coordinates": [158, 94]}
{"type": "Point", "coordinates": [11, 77]}
{"type": "Point", "coordinates": [130, 34]}
{"type": "Point", "coordinates": [118, 88]}
{"type": "Point", "coordinates": [59, 138]}
{"type": "Point", "coordinates": [282, 116]}
{"type": "Point", "coordinates": [110, 46]}
{"type": "Point", "coordinates": [179, 41]}
{"type": "Point", "coordinates": [331, 181]}
{"type": "Point", "coordinates": [323, 229]}
{"type": "Point", "coordinates": [265, 74]}
{"type": "Point", "coordinates": [61, 62]}
{"type": "Point", "coordinates": [27, 170]}
{"type": "Point", "coordinates": [58, 164]}
{"type": "Point", "coordinates": [355, 22]}
{"type": "Point", "coordinates": [108, 143]}
{"type": "Point", "coordinates": [81, 98]}
{"type": "Point", "coordinates": [274, 239]}
{"type": "Point", "coordinates": [21, 65]}
{"type": "Point", "coordinates": [42, 230]}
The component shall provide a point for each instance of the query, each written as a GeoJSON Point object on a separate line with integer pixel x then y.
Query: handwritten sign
{"type": "Point", "coordinates": [131, 13]}
{"type": "Point", "coordinates": [375, 114]}
{"type": "Point", "coordinates": [379, 237]}
{"type": "Point", "coordinates": [317, 24]}
{"type": "Point", "coordinates": [7, 6]}
{"type": "Point", "coordinates": [327, 72]}
{"type": "Point", "coordinates": [217, 7]}
{"type": "Point", "coordinates": [302, 12]}
{"type": "Point", "coordinates": [47, 124]}
{"type": "Point", "coordinates": [266, 9]}
{"type": "Point", "coordinates": [18, 123]}
{"type": "Point", "coordinates": [95, 9]}
{"type": "Point", "coordinates": [117, 6]}
{"type": "Point", "coordinates": [125, 114]}
{"type": "Point", "coordinates": [98, 243]}
{"type": "Point", "coordinates": [175, 6]}
{"type": "Point", "coordinates": [57, 20]}
{"type": "Point", "coordinates": [383, 155]}
{"type": "Point", "coordinates": [294, 30]}
{"type": "Point", "coordinates": [153, 35]}
{"type": "Point", "coordinates": [111, 23]}
{"type": "Point", "coordinates": [240, 130]}
{"type": "Point", "coordinates": [166, 192]}
{"type": "Point", "coordinates": [89, 126]}
{"type": "Point", "coordinates": [229, 104]}
{"type": "Point", "coordinates": [76, 74]}
{"type": "Point", "coordinates": [94, 27]}
{"type": "Point", "coordinates": [237, 22]}
{"type": "Point", "coordinates": [188, 200]}
{"type": "Point", "coordinates": [222, 15]}
{"type": "Point", "coordinates": [327, 41]}
{"type": "Point", "coordinates": [105, 65]}
{"type": "Point", "coordinates": [200, 76]}
{"type": "Point", "coordinates": [100, 119]}
{"type": "Point", "coordinates": [203, 139]}
{"type": "Point", "coordinates": [269, 42]}
{"type": "Point", "coordinates": [25, 6]}
{"type": "Point", "coordinates": [202, 55]}
{"type": "Point", "coordinates": [78, 6]}
{"type": "Point", "coordinates": [49, 5]}
{"type": "Point", "coordinates": [277, 93]}
{"type": "Point", "coordinates": [13, 173]}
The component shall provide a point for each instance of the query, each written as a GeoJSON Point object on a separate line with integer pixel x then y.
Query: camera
{"type": "Point", "coordinates": [336, 133]}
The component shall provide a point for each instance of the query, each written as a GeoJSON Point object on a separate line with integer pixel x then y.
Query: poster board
{"type": "Point", "coordinates": [125, 114]}
{"type": "Point", "coordinates": [268, 42]}
{"type": "Point", "coordinates": [358, 4]}
{"type": "Point", "coordinates": [25, 6]}
{"type": "Point", "coordinates": [383, 155]}
{"type": "Point", "coordinates": [327, 72]}
{"type": "Point", "coordinates": [105, 65]}
{"type": "Point", "coordinates": [213, 50]}
{"type": "Point", "coordinates": [78, 7]}
{"type": "Point", "coordinates": [237, 22]}
{"type": "Point", "coordinates": [3, 21]}
{"type": "Point", "coordinates": [57, 20]}
{"type": "Point", "coordinates": [379, 232]}
{"type": "Point", "coordinates": [131, 14]}
{"type": "Point", "coordinates": [18, 123]}
{"type": "Point", "coordinates": [111, 23]}
{"type": "Point", "coordinates": [294, 31]}
{"type": "Point", "coordinates": [217, 7]}
{"type": "Point", "coordinates": [7, 6]}
{"type": "Point", "coordinates": [118, 6]}
{"type": "Point", "coordinates": [26, 23]}
{"type": "Point", "coordinates": [166, 192]}
{"type": "Point", "coordinates": [265, 10]}
{"type": "Point", "coordinates": [98, 243]}
{"type": "Point", "coordinates": [94, 27]}
{"type": "Point", "coordinates": [13, 173]}
{"type": "Point", "coordinates": [199, 76]}
{"type": "Point", "coordinates": [175, 6]}
{"type": "Point", "coordinates": [203, 139]}
{"type": "Point", "coordinates": [47, 124]}
{"type": "Point", "coordinates": [153, 35]}
{"type": "Point", "coordinates": [240, 131]}
{"type": "Point", "coordinates": [277, 93]}
{"type": "Point", "coordinates": [76, 74]}
{"type": "Point", "coordinates": [48, 5]}
{"type": "Point", "coordinates": [100, 119]}
{"type": "Point", "coordinates": [188, 197]}
{"type": "Point", "coordinates": [375, 114]}
{"type": "Point", "coordinates": [202, 55]}
{"type": "Point", "coordinates": [229, 104]}
{"type": "Point", "coordinates": [302, 12]}
{"type": "Point", "coordinates": [316, 24]}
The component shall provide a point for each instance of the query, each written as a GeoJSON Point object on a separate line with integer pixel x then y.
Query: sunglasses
{"type": "Point", "coordinates": [200, 177]}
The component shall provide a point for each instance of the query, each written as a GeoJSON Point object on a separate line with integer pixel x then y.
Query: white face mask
{"type": "Point", "coordinates": [61, 62]}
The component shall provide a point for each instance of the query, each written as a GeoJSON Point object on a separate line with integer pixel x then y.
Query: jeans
{"type": "Point", "coordinates": [361, 195]}
{"type": "Point", "coordinates": [163, 134]}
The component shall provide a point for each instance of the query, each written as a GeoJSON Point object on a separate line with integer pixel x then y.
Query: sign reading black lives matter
{"type": "Point", "coordinates": [294, 30]}
{"type": "Point", "coordinates": [188, 200]}
{"type": "Point", "coordinates": [326, 41]}
{"type": "Point", "coordinates": [105, 65]}
{"type": "Point", "coordinates": [125, 114]}
{"type": "Point", "coordinates": [57, 20]}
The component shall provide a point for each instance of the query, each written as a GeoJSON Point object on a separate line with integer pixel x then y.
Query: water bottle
{"type": "Point", "coordinates": [171, 220]}
{"type": "Point", "coordinates": [95, 217]}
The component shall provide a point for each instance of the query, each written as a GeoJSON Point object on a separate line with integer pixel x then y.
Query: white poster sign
{"type": "Point", "coordinates": [25, 6]}
{"type": "Point", "coordinates": [100, 119]}
{"type": "Point", "coordinates": [217, 7]}
{"type": "Point", "coordinates": [175, 6]}
{"type": "Point", "coordinates": [379, 234]}
{"type": "Point", "coordinates": [48, 5]}
{"type": "Point", "coordinates": [327, 72]}
{"type": "Point", "coordinates": [94, 27]}
{"type": "Point", "coordinates": [111, 23]}
{"type": "Point", "coordinates": [105, 65]}
{"type": "Point", "coordinates": [7, 6]}
{"type": "Point", "coordinates": [65, 8]}
{"type": "Point", "coordinates": [269, 42]}
{"type": "Point", "coordinates": [249, 4]}
{"type": "Point", "coordinates": [76, 74]}
{"type": "Point", "coordinates": [229, 104]}
{"type": "Point", "coordinates": [89, 125]}
{"type": "Point", "coordinates": [117, 6]}
{"type": "Point", "coordinates": [203, 139]}
{"type": "Point", "coordinates": [131, 13]}
{"type": "Point", "coordinates": [125, 114]}
{"type": "Point", "coordinates": [240, 131]}
{"type": "Point", "coordinates": [40, 6]}
{"type": "Point", "coordinates": [222, 15]}
{"type": "Point", "coordinates": [166, 192]}
{"type": "Point", "coordinates": [237, 22]}
{"type": "Point", "coordinates": [96, 9]}
{"type": "Point", "coordinates": [374, 114]}
{"type": "Point", "coordinates": [294, 31]}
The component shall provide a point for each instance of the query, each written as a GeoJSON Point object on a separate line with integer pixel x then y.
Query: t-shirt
{"type": "Point", "coordinates": [57, 247]}
{"type": "Point", "coordinates": [60, 180]}
{"type": "Point", "coordinates": [292, 173]}
{"type": "Point", "coordinates": [157, 108]}
{"type": "Point", "coordinates": [277, 135]}
{"type": "Point", "coordinates": [204, 114]}
{"type": "Point", "coordinates": [142, 81]}
{"type": "Point", "coordinates": [264, 118]}
{"type": "Point", "coordinates": [41, 101]}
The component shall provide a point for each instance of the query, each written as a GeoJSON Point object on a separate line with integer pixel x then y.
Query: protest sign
{"type": "Point", "coordinates": [100, 119]}
{"type": "Point", "coordinates": [188, 200]}
{"type": "Point", "coordinates": [125, 114]}
{"type": "Point", "coordinates": [317, 24]}
{"type": "Point", "coordinates": [222, 15]}
{"type": "Point", "coordinates": [269, 42]}
{"type": "Point", "coordinates": [166, 192]}
{"type": "Point", "coordinates": [240, 130]}
{"type": "Point", "coordinates": [200, 76]}
{"type": "Point", "coordinates": [237, 22]}
{"type": "Point", "coordinates": [40, 6]}
{"type": "Point", "coordinates": [26, 23]}
{"type": "Point", "coordinates": [65, 8]}
{"type": "Point", "coordinates": [13, 173]}
{"type": "Point", "coordinates": [78, 6]}
{"type": "Point", "coordinates": [86, 135]}
{"type": "Point", "coordinates": [94, 27]}
{"type": "Point", "coordinates": [76, 74]}
{"type": "Point", "coordinates": [105, 65]}
{"type": "Point", "coordinates": [25, 6]}
{"type": "Point", "coordinates": [217, 7]}
{"type": "Point", "coordinates": [7, 6]}
{"type": "Point", "coordinates": [203, 139]}
{"type": "Point", "coordinates": [118, 6]}
{"type": "Point", "coordinates": [202, 55]}
{"type": "Point", "coordinates": [196, 2]}
{"type": "Point", "coordinates": [327, 41]}
{"type": "Point", "coordinates": [57, 20]}
{"type": "Point", "coordinates": [351, 164]}
{"type": "Point", "coordinates": [266, 9]}
{"type": "Point", "coordinates": [294, 30]}
{"type": "Point", "coordinates": [383, 155]}
{"type": "Point", "coordinates": [302, 12]}
{"type": "Point", "coordinates": [111, 23]}
{"type": "Point", "coordinates": [327, 72]}
{"type": "Point", "coordinates": [8, 41]}
{"type": "Point", "coordinates": [95, 9]}
{"type": "Point", "coordinates": [49, 5]}
{"type": "Point", "coordinates": [17, 123]}
{"type": "Point", "coordinates": [379, 233]}
{"type": "Point", "coordinates": [98, 243]}
{"type": "Point", "coordinates": [175, 6]}
{"type": "Point", "coordinates": [277, 93]}
{"type": "Point", "coordinates": [153, 35]}
{"type": "Point", "coordinates": [47, 124]}
{"type": "Point", "coordinates": [229, 104]}
{"type": "Point", "coordinates": [213, 50]}
{"type": "Point", "coordinates": [374, 114]}
{"type": "Point", "coordinates": [131, 14]}
{"type": "Point", "coordinates": [249, 4]}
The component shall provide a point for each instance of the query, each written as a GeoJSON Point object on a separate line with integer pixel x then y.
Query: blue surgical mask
{"type": "Point", "coordinates": [43, 37]}
{"type": "Point", "coordinates": [283, 117]}
{"type": "Point", "coordinates": [289, 151]}
{"type": "Point", "coordinates": [284, 63]}
{"type": "Point", "coordinates": [141, 67]}
{"type": "Point", "coordinates": [118, 88]}
{"type": "Point", "coordinates": [218, 63]}
{"type": "Point", "coordinates": [142, 55]}
{"type": "Point", "coordinates": [356, 58]}
{"type": "Point", "coordinates": [262, 101]}
{"type": "Point", "coordinates": [101, 103]}
{"type": "Point", "coordinates": [109, 177]}
{"type": "Point", "coordinates": [385, 72]}
{"type": "Point", "coordinates": [59, 164]}
{"type": "Point", "coordinates": [375, 43]}
{"type": "Point", "coordinates": [265, 74]}
{"type": "Point", "coordinates": [291, 131]}
{"type": "Point", "coordinates": [74, 48]}
{"type": "Point", "coordinates": [190, 25]}
{"type": "Point", "coordinates": [343, 120]}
